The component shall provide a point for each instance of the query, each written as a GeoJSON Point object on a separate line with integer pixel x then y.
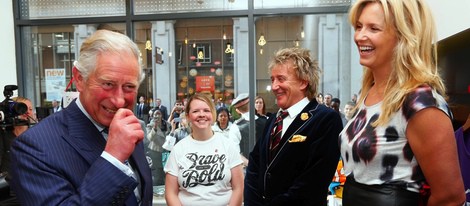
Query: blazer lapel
{"type": "Point", "coordinates": [83, 135]}
{"type": "Point", "coordinates": [142, 168]}
{"type": "Point", "coordinates": [300, 123]}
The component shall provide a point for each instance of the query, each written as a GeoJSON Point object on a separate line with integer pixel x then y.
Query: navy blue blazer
{"type": "Point", "coordinates": [58, 162]}
{"type": "Point", "coordinates": [302, 170]}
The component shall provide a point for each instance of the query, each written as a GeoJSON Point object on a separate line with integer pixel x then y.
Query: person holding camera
{"type": "Point", "coordinates": [176, 134]}
{"type": "Point", "coordinates": [178, 108]}
{"type": "Point", "coordinates": [157, 130]}
{"type": "Point", "coordinates": [11, 132]}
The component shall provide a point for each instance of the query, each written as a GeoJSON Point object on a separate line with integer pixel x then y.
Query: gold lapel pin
{"type": "Point", "coordinates": [304, 116]}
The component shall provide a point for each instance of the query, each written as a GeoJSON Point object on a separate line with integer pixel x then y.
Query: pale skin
{"type": "Point", "coordinates": [429, 132]}
{"type": "Point", "coordinates": [108, 95]}
{"type": "Point", "coordinates": [285, 85]}
{"type": "Point", "coordinates": [200, 117]}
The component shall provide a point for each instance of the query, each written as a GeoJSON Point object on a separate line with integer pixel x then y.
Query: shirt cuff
{"type": "Point", "coordinates": [121, 166]}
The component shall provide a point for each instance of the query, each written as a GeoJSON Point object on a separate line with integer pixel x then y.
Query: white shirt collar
{"type": "Point", "coordinates": [295, 109]}
{"type": "Point", "coordinates": [80, 106]}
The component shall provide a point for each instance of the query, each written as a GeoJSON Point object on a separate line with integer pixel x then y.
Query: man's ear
{"type": "Point", "coordinates": [303, 85]}
{"type": "Point", "coordinates": [78, 78]}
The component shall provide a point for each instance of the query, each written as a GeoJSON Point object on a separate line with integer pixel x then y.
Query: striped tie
{"type": "Point", "coordinates": [276, 133]}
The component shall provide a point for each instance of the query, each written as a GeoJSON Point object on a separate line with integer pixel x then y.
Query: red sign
{"type": "Point", "coordinates": [205, 83]}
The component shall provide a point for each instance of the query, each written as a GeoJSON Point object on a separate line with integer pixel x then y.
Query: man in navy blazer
{"type": "Point", "coordinates": [91, 153]}
{"type": "Point", "coordinates": [297, 170]}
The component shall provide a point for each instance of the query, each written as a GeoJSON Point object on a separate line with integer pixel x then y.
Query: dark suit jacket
{"type": "Point", "coordinates": [58, 162]}
{"type": "Point", "coordinates": [144, 115]}
{"type": "Point", "coordinates": [301, 171]}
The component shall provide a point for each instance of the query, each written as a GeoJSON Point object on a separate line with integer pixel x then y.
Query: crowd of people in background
{"type": "Point", "coordinates": [201, 150]}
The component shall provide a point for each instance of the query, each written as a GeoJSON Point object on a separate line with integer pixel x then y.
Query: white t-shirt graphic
{"type": "Point", "coordinates": [203, 169]}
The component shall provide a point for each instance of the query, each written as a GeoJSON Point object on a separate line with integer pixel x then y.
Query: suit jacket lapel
{"type": "Point", "coordinates": [142, 168]}
{"type": "Point", "coordinates": [83, 135]}
{"type": "Point", "coordinates": [296, 126]}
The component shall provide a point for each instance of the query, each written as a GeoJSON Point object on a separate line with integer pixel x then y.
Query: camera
{"type": "Point", "coordinates": [9, 109]}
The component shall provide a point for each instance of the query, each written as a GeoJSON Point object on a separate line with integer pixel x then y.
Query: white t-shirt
{"type": "Point", "coordinates": [203, 170]}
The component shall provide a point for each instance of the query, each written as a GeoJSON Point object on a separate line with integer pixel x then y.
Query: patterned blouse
{"type": "Point", "coordinates": [382, 155]}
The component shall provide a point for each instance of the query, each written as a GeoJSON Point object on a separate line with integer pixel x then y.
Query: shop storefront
{"type": "Point", "coordinates": [220, 47]}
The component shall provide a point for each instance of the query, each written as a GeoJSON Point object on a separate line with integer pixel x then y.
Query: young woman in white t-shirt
{"type": "Point", "coordinates": [203, 168]}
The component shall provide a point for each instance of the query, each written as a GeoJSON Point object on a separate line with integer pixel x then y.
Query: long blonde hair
{"type": "Point", "coordinates": [415, 56]}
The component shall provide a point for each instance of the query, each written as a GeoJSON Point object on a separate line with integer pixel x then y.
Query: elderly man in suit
{"type": "Point", "coordinates": [295, 160]}
{"type": "Point", "coordinates": [90, 153]}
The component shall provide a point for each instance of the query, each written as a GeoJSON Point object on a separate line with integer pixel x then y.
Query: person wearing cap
{"type": "Point", "coordinates": [297, 155]}
{"type": "Point", "coordinates": [240, 130]}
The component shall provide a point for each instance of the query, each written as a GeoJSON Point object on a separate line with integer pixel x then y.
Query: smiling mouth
{"type": "Point", "coordinates": [110, 111]}
{"type": "Point", "coordinates": [365, 49]}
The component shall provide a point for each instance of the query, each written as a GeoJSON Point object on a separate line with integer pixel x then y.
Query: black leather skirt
{"type": "Point", "coordinates": [357, 194]}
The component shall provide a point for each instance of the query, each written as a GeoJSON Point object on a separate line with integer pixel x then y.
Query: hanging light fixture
{"type": "Point", "coordinates": [229, 49]}
{"type": "Point", "coordinates": [261, 40]}
{"type": "Point", "coordinates": [200, 54]}
{"type": "Point", "coordinates": [302, 33]}
{"type": "Point", "coordinates": [297, 42]}
{"type": "Point", "coordinates": [194, 44]}
{"type": "Point", "coordinates": [148, 45]}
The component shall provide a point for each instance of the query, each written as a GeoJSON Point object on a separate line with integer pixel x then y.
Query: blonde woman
{"type": "Point", "coordinates": [401, 137]}
{"type": "Point", "coordinates": [205, 167]}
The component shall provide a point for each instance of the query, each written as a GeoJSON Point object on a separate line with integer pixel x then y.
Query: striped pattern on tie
{"type": "Point", "coordinates": [276, 133]}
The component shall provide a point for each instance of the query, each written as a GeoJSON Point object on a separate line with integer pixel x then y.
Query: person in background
{"type": "Point", "coordinates": [11, 132]}
{"type": "Point", "coordinates": [327, 99]}
{"type": "Point", "coordinates": [181, 132]}
{"type": "Point", "coordinates": [462, 136]}
{"type": "Point", "coordinates": [142, 109]}
{"type": "Point", "coordinates": [220, 103]}
{"type": "Point", "coordinates": [240, 129]}
{"type": "Point", "coordinates": [175, 113]}
{"type": "Point", "coordinates": [56, 106]}
{"type": "Point", "coordinates": [204, 168]}
{"type": "Point", "coordinates": [401, 137]}
{"type": "Point", "coordinates": [90, 153]}
{"type": "Point", "coordinates": [319, 98]}
{"type": "Point", "coordinates": [260, 106]}
{"type": "Point", "coordinates": [336, 104]}
{"type": "Point", "coordinates": [222, 125]}
{"type": "Point", "coordinates": [294, 161]}
{"type": "Point", "coordinates": [8, 134]}
{"type": "Point", "coordinates": [159, 106]}
{"type": "Point", "coordinates": [354, 98]}
{"type": "Point", "coordinates": [157, 130]}
{"type": "Point", "coordinates": [349, 110]}
{"type": "Point", "coordinates": [234, 115]}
